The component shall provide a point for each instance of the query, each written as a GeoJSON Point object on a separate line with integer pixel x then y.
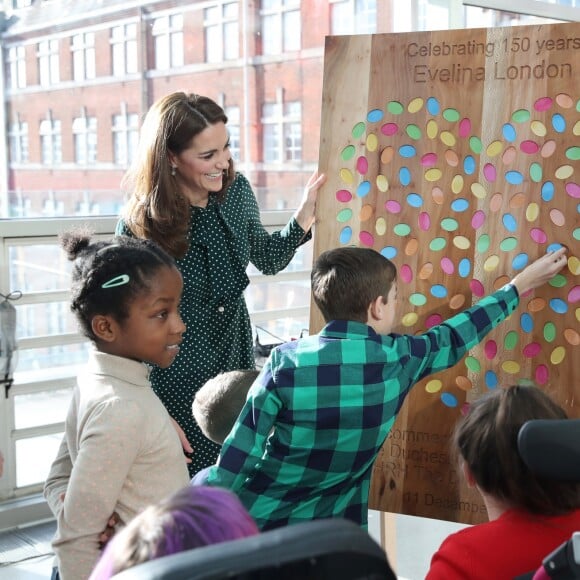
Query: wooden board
{"type": "Point", "coordinates": [456, 155]}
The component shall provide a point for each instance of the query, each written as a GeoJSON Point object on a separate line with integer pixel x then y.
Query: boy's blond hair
{"type": "Point", "coordinates": [218, 403]}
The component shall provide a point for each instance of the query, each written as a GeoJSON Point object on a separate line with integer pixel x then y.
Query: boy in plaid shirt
{"type": "Point", "coordinates": [317, 415]}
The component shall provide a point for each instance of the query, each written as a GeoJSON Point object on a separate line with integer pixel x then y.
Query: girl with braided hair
{"type": "Point", "coordinates": [120, 451]}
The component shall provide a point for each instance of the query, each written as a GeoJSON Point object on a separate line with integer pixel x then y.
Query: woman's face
{"type": "Point", "coordinates": [199, 168]}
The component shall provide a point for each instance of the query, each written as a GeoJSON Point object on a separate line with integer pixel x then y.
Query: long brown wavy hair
{"type": "Point", "coordinates": [156, 209]}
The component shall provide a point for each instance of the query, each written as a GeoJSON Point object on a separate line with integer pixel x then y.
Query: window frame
{"type": "Point", "coordinates": [168, 40]}
{"type": "Point", "coordinates": [274, 20]}
{"type": "Point", "coordinates": [48, 58]}
{"type": "Point", "coordinates": [221, 43]}
{"type": "Point", "coordinates": [18, 138]}
{"type": "Point", "coordinates": [125, 46]}
{"type": "Point", "coordinates": [83, 52]}
{"type": "Point", "coordinates": [85, 139]}
{"type": "Point", "coordinates": [50, 133]}
{"type": "Point", "coordinates": [16, 59]}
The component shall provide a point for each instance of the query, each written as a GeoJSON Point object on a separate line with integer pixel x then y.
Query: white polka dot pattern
{"type": "Point", "coordinates": [223, 239]}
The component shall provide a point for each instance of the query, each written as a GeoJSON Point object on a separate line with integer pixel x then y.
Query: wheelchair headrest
{"type": "Point", "coordinates": [551, 448]}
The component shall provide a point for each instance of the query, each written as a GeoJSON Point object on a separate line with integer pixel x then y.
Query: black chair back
{"type": "Point", "coordinates": [325, 549]}
{"type": "Point", "coordinates": [551, 448]}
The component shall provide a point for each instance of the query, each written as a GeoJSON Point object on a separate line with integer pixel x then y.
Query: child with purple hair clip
{"type": "Point", "coordinates": [193, 517]}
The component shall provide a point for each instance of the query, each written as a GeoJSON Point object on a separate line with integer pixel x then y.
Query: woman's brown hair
{"type": "Point", "coordinates": [156, 209]}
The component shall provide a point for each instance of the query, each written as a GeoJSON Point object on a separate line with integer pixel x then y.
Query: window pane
{"type": "Point", "coordinates": [48, 362]}
{"type": "Point", "coordinates": [271, 143]}
{"type": "Point", "coordinates": [293, 109]}
{"type": "Point", "coordinates": [270, 110]}
{"type": "Point", "coordinates": [44, 319]}
{"type": "Point", "coordinates": [177, 49]}
{"type": "Point", "coordinates": [132, 56]}
{"type": "Point", "coordinates": [293, 142]}
{"type": "Point", "coordinates": [118, 55]}
{"type": "Point", "coordinates": [34, 457]}
{"type": "Point", "coordinates": [212, 14]}
{"type": "Point", "coordinates": [234, 132]}
{"type": "Point", "coordinates": [292, 30]}
{"type": "Point", "coordinates": [160, 25]}
{"type": "Point", "coordinates": [231, 42]}
{"type": "Point", "coordinates": [38, 268]}
{"type": "Point", "coordinates": [213, 44]}
{"type": "Point", "coordinates": [231, 10]}
{"type": "Point", "coordinates": [280, 330]}
{"type": "Point", "coordinates": [91, 64]}
{"type": "Point", "coordinates": [37, 409]}
{"type": "Point", "coordinates": [161, 53]}
{"type": "Point", "coordinates": [271, 35]}
{"type": "Point", "coordinates": [278, 295]}
{"type": "Point", "coordinates": [479, 17]}
{"type": "Point", "coordinates": [341, 18]}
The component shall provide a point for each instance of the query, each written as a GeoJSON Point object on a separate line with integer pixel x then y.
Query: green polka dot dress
{"type": "Point", "coordinates": [223, 239]}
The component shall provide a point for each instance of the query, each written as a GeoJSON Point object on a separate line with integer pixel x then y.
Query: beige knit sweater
{"type": "Point", "coordinates": [119, 453]}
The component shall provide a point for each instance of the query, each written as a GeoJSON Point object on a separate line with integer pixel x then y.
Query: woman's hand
{"type": "Point", "coordinates": [306, 212]}
{"type": "Point", "coordinates": [187, 448]}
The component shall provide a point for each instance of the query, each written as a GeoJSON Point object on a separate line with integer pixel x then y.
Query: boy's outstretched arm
{"type": "Point", "coordinates": [540, 271]}
{"type": "Point", "coordinates": [444, 345]}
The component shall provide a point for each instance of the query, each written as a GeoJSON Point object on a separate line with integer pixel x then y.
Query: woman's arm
{"type": "Point", "coordinates": [271, 253]}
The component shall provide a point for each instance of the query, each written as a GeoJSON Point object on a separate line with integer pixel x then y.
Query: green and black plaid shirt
{"type": "Point", "coordinates": [316, 417]}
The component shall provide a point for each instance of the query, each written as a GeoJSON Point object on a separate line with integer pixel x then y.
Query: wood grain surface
{"type": "Point", "coordinates": [455, 153]}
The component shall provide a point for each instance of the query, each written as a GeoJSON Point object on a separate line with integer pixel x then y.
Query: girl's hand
{"type": "Point", "coordinates": [109, 530]}
{"type": "Point", "coordinates": [540, 271]}
{"type": "Point", "coordinates": [306, 212]}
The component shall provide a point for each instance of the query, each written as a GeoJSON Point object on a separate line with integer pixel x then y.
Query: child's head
{"type": "Point", "coordinates": [486, 440]}
{"type": "Point", "coordinates": [218, 403]}
{"type": "Point", "coordinates": [125, 294]}
{"type": "Point", "coordinates": [194, 517]}
{"type": "Point", "coordinates": [346, 281]}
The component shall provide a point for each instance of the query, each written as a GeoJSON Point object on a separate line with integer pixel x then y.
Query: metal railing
{"type": "Point", "coordinates": [21, 499]}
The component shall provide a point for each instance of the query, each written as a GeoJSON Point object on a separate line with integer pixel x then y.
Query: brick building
{"type": "Point", "coordinates": [80, 74]}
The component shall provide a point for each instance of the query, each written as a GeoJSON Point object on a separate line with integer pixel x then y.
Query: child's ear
{"type": "Point", "coordinates": [469, 478]}
{"type": "Point", "coordinates": [104, 327]}
{"type": "Point", "coordinates": [376, 310]}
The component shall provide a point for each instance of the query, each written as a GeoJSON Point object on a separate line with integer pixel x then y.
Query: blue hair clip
{"type": "Point", "coordinates": [116, 281]}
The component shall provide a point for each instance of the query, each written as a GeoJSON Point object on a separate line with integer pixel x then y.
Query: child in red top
{"type": "Point", "coordinates": [529, 516]}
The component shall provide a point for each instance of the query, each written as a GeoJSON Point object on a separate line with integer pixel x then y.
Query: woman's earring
{"type": "Point", "coordinates": [173, 170]}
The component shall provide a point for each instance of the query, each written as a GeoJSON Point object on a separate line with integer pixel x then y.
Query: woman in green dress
{"type": "Point", "coordinates": [186, 196]}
